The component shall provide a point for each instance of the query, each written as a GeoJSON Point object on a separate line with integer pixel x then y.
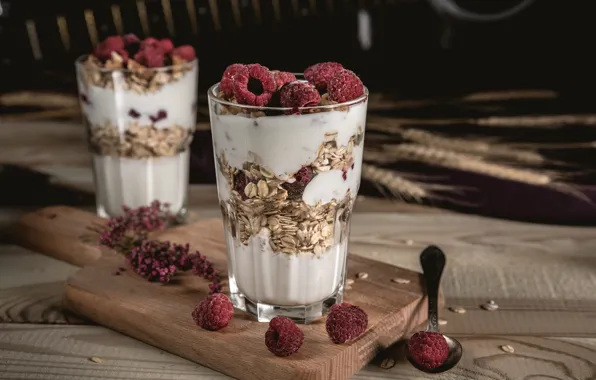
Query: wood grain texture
{"type": "Point", "coordinates": [122, 302]}
{"type": "Point", "coordinates": [64, 352]}
{"type": "Point", "coordinates": [65, 233]}
{"type": "Point", "coordinates": [516, 264]}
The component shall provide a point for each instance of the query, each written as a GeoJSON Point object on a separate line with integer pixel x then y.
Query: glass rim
{"type": "Point", "coordinates": [212, 95]}
{"type": "Point", "coordinates": [79, 62]}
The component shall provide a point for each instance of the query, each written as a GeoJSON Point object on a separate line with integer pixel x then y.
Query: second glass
{"type": "Point", "coordinates": [140, 122]}
{"type": "Point", "coordinates": [287, 185]}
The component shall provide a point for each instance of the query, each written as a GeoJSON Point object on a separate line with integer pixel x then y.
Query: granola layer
{"type": "Point", "coordinates": [130, 75]}
{"type": "Point", "coordinates": [139, 141]}
{"type": "Point", "coordinates": [261, 200]}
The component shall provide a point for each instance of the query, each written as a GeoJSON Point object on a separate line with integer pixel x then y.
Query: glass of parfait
{"type": "Point", "coordinates": [288, 157]}
{"type": "Point", "coordinates": [138, 100]}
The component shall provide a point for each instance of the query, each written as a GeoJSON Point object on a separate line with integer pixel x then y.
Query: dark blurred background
{"type": "Point", "coordinates": [428, 64]}
{"type": "Point", "coordinates": [404, 46]}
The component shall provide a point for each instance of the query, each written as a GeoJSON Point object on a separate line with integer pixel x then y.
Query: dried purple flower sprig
{"type": "Point", "coordinates": [124, 232]}
{"type": "Point", "coordinates": [151, 259]}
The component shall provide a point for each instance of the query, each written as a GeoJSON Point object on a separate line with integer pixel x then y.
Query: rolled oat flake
{"type": "Point", "coordinates": [95, 359]}
{"type": "Point", "coordinates": [387, 363]}
{"type": "Point", "coordinates": [507, 348]}
{"type": "Point", "coordinates": [457, 309]}
{"type": "Point", "coordinates": [490, 306]}
{"type": "Point", "coordinates": [362, 275]}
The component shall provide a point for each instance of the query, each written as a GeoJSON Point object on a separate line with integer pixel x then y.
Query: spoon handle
{"type": "Point", "coordinates": [432, 260]}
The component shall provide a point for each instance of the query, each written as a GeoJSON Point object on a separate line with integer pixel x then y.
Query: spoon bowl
{"type": "Point", "coordinates": [455, 354]}
{"type": "Point", "coordinates": [432, 260]}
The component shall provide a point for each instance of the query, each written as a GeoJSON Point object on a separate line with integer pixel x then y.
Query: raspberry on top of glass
{"type": "Point", "coordinates": [325, 83]}
{"type": "Point", "coordinates": [138, 99]}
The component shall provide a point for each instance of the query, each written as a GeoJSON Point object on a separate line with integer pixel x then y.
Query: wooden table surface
{"type": "Point", "coordinates": [542, 277]}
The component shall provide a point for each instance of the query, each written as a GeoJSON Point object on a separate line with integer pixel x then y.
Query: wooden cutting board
{"type": "Point", "coordinates": [160, 315]}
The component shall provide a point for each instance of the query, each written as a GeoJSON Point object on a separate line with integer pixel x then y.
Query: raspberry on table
{"type": "Point", "coordinates": [214, 312]}
{"type": "Point", "coordinates": [345, 86]}
{"type": "Point", "coordinates": [226, 85]}
{"type": "Point", "coordinates": [254, 85]}
{"type": "Point", "coordinates": [321, 73]}
{"type": "Point", "coordinates": [429, 349]}
{"type": "Point", "coordinates": [283, 338]}
{"type": "Point", "coordinates": [299, 94]}
{"type": "Point", "coordinates": [345, 322]}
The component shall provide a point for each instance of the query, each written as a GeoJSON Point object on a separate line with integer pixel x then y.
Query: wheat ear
{"type": "Point", "coordinates": [397, 185]}
{"type": "Point", "coordinates": [453, 160]}
{"type": "Point", "coordinates": [39, 99]}
{"type": "Point", "coordinates": [473, 147]}
{"type": "Point", "coordinates": [552, 121]}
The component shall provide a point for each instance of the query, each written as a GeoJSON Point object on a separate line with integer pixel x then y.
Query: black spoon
{"type": "Point", "coordinates": [432, 260]}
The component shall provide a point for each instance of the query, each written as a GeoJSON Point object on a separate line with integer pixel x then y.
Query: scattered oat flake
{"type": "Point", "coordinates": [409, 242]}
{"type": "Point", "coordinates": [442, 322]}
{"type": "Point", "coordinates": [362, 275]}
{"type": "Point", "coordinates": [95, 359]}
{"type": "Point", "coordinates": [507, 348]}
{"type": "Point", "coordinates": [349, 281]}
{"type": "Point", "coordinates": [490, 306]}
{"type": "Point", "coordinates": [457, 309]}
{"type": "Point", "coordinates": [387, 363]}
{"type": "Point", "coordinates": [347, 287]}
{"type": "Point", "coordinates": [400, 280]}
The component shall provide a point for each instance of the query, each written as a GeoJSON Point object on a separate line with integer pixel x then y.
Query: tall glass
{"type": "Point", "coordinates": [140, 122]}
{"type": "Point", "coordinates": [287, 184]}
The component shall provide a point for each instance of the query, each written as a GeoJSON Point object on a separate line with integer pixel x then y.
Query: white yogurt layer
{"type": "Point", "coordinates": [111, 106]}
{"type": "Point", "coordinates": [283, 144]}
{"type": "Point", "coordinates": [138, 182]}
{"type": "Point", "coordinates": [285, 280]}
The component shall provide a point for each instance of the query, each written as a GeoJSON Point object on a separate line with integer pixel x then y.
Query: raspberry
{"type": "Point", "coordinates": [186, 52]}
{"type": "Point", "coordinates": [283, 338]}
{"type": "Point", "coordinates": [282, 77]}
{"type": "Point", "coordinates": [345, 322]}
{"type": "Point", "coordinates": [214, 312]}
{"type": "Point", "coordinates": [321, 73]}
{"type": "Point", "coordinates": [111, 44]}
{"type": "Point", "coordinates": [428, 349]}
{"type": "Point", "coordinates": [160, 115]}
{"type": "Point", "coordinates": [240, 182]}
{"type": "Point", "coordinates": [345, 86]}
{"type": "Point", "coordinates": [254, 85]}
{"type": "Point", "coordinates": [150, 42]}
{"type": "Point", "coordinates": [150, 56]}
{"type": "Point", "coordinates": [226, 85]}
{"type": "Point", "coordinates": [302, 178]}
{"type": "Point", "coordinates": [299, 94]}
{"type": "Point", "coordinates": [134, 113]}
{"type": "Point", "coordinates": [166, 45]}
